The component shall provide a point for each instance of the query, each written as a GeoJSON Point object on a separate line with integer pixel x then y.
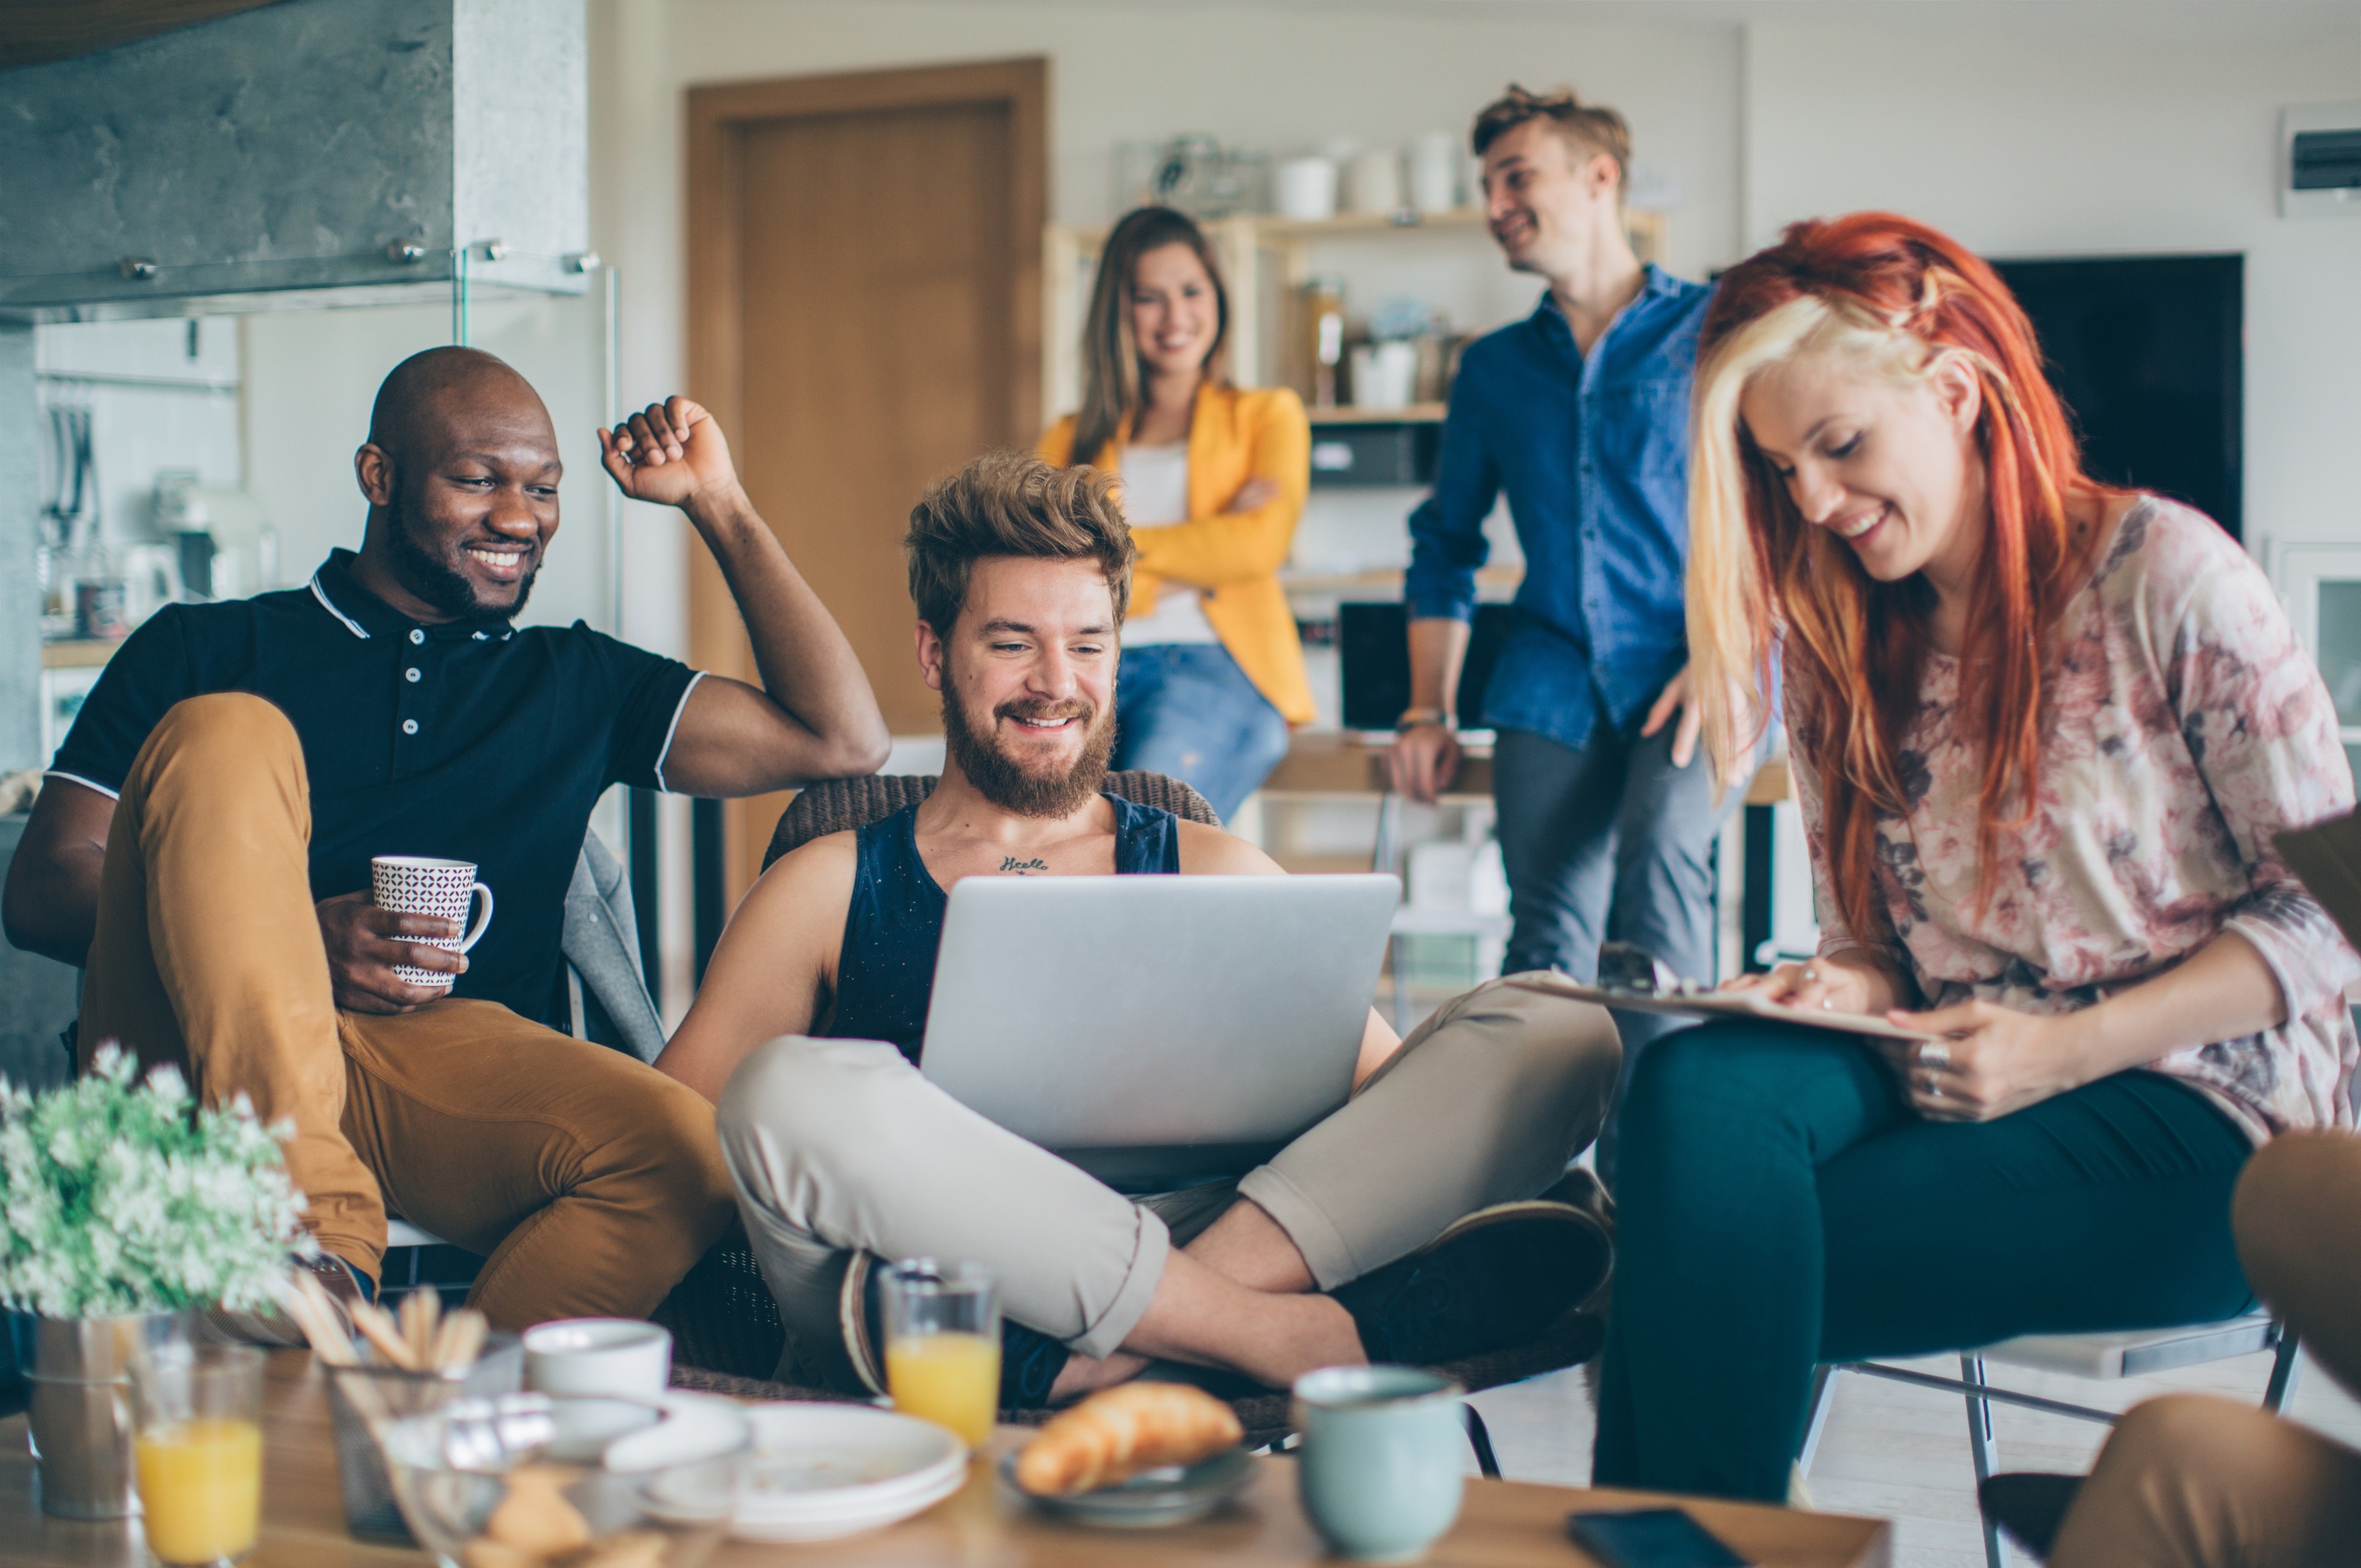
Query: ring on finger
{"type": "Point", "coordinates": [1933, 1086]}
{"type": "Point", "coordinates": [1934, 1053]}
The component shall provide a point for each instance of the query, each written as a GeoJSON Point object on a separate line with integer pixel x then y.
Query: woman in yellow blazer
{"type": "Point", "coordinates": [1213, 480]}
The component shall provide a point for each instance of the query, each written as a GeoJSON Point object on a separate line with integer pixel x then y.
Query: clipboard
{"type": "Point", "coordinates": [2326, 858]}
{"type": "Point", "coordinates": [1727, 1004]}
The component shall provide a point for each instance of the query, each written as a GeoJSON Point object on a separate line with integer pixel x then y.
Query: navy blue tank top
{"type": "Point", "coordinates": [885, 974]}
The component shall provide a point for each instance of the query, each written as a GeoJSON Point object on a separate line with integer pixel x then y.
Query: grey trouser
{"type": "Point", "coordinates": [1610, 843]}
{"type": "Point", "coordinates": [839, 1147]}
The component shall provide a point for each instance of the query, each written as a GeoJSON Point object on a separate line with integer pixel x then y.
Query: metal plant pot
{"type": "Point", "coordinates": [77, 1375]}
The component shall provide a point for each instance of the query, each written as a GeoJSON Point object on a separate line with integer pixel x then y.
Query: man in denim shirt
{"type": "Point", "coordinates": [1580, 412]}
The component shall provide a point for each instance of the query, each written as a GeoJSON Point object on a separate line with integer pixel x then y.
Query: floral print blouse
{"type": "Point", "coordinates": [2187, 729]}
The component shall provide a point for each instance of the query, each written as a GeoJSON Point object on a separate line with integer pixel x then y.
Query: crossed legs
{"type": "Point", "coordinates": [839, 1147]}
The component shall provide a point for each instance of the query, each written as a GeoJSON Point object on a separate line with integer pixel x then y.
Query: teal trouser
{"type": "Point", "coordinates": [1781, 1205]}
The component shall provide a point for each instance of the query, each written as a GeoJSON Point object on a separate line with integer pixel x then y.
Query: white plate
{"type": "Point", "coordinates": [817, 1463]}
{"type": "Point", "coordinates": [836, 1525]}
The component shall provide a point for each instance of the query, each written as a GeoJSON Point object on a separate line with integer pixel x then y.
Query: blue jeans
{"type": "Point", "coordinates": [1186, 709]}
{"type": "Point", "coordinates": [1782, 1205]}
{"type": "Point", "coordinates": [1609, 843]}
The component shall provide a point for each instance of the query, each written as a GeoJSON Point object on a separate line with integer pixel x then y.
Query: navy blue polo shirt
{"type": "Point", "coordinates": [470, 741]}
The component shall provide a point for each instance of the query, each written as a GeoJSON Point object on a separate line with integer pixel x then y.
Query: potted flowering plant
{"type": "Point", "coordinates": [125, 1209]}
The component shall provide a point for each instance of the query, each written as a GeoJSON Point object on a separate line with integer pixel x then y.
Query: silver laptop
{"type": "Point", "coordinates": [1158, 1031]}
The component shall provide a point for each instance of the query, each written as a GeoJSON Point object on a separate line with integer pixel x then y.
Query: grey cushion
{"type": "Point", "coordinates": [601, 941]}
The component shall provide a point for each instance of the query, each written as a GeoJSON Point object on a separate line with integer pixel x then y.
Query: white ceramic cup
{"type": "Point", "coordinates": [1376, 184]}
{"type": "Point", "coordinates": [1305, 189]}
{"type": "Point", "coordinates": [1434, 173]}
{"type": "Point", "coordinates": [415, 885]}
{"type": "Point", "coordinates": [1384, 374]}
{"type": "Point", "coordinates": [620, 1357]}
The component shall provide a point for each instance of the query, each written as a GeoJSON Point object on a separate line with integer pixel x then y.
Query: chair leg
{"type": "Point", "coordinates": [2283, 1366]}
{"type": "Point", "coordinates": [1479, 1438]}
{"type": "Point", "coordinates": [1986, 1454]}
{"type": "Point", "coordinates": [1824, 1398]}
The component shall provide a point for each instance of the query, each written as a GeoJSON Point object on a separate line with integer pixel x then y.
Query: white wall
{"type": "Point", "coordinates": [2074, 137]}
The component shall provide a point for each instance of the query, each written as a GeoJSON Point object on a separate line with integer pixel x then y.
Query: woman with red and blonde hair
{"type": "Point", "coordinates": [2044, 733]}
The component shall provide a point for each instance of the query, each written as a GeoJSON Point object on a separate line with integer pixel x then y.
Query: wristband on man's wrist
{"type": "Point", "coordinates": [1413, 717]}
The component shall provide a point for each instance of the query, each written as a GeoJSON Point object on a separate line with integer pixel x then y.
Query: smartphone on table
{"type": "Point", "coordinates": [1650, 1538]}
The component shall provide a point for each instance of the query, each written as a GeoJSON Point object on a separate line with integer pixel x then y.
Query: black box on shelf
{"type": "Point", "coordinates": [1371, 453]}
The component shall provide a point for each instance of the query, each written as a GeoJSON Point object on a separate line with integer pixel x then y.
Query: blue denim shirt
{"type": "Point", "coordinates": [1593, 455]}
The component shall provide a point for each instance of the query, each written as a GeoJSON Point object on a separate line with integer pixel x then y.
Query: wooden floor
{"type": "Point", "coordinates": [1901, 1452]}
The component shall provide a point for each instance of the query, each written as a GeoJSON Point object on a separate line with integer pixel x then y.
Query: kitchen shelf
{"type": "Point", "coordinates": [1413, 413]}
{"type": "Point", "coordinates": [1347, 225]}
{"type": "Point", "coordinates": [1387, 582]}
{"type": "Point", "coordinates": [77, 653]}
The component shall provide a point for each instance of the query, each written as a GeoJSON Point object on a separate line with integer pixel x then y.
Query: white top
{"type": "Point", "coordinates": [1155, 493]}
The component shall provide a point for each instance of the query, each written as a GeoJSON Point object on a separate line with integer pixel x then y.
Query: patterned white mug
{"type": "Point", "coordinates": [415, 885]}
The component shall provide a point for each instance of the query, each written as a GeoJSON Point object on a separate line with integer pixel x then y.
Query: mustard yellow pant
{"type": "Point", "coordinates": [2189, 1481]}
{"type": "Point", "coordinates": [590, 1181]}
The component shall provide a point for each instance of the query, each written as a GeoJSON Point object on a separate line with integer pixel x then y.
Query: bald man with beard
{"type": "Point", "coordinates": [202, 846]}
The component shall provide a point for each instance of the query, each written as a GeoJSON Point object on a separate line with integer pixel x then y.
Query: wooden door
{"type": "Point", "coordinates": [864, 305]}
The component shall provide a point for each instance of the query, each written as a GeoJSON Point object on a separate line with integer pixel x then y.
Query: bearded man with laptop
{"type": "Point", "coordinates": [1414, 1214]}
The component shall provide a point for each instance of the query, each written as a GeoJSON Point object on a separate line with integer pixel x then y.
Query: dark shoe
{"type": "Point", "coordinates": [861, 1319]}
{"type": "Point", "coordinates": [1029, 1364]}
{"type": "Point", "coordinates": [1493, 1279]}
{"type": "Point", "coordinates": [1582, 1190]}
{"type": "Point", "coordinates": [1579, 1188]}
{"type": "Point", "coordinates": [2030, 1505]}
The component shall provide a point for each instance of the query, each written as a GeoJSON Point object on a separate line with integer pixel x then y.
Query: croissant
{"type": "Point", "coordinates": [1118, 1432]}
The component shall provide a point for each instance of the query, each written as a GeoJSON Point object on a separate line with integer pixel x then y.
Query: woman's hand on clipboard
{"type": "Point", "coordinates": [1837, 982]}
{"type": "Point", "coordinates": [1991, 1060]}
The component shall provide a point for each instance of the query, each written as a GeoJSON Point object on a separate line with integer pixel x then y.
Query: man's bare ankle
{"type": "Point", "coordinates": [1084, 1375]}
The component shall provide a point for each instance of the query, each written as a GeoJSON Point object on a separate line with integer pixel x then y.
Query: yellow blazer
{"type": "Point", "coordinates": [1234, 557]}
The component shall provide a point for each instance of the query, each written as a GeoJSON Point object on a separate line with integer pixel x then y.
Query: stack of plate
{"type": "Point", "coordinates": [823, 1471]}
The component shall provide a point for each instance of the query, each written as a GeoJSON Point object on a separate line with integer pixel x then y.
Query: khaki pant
{"type": "Point", "coordinates": [591, 1181]}
{"type": "Point", "coordinates": [840, 1147]}
{"type": "Point", "coordinates": [2195, 1482]}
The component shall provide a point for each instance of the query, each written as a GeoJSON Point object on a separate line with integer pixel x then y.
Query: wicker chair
{"type": "Point", "coordinates": [727, 1335]}
{"type": "Point", "coordinates": [841, 804]}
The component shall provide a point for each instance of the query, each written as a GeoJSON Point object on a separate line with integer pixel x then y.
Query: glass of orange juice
{"type": "Point", "coordinates": [942, 1344]}
{"type": "Point", "coordinates": [197, 1455]}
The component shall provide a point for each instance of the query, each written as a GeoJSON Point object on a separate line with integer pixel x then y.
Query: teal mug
{"type": "Point", "coordinates": [1383, 1456]}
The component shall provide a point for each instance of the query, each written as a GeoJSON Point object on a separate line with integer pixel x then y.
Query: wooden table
{"type": "Point", "coordinates": [1505, 1524]}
